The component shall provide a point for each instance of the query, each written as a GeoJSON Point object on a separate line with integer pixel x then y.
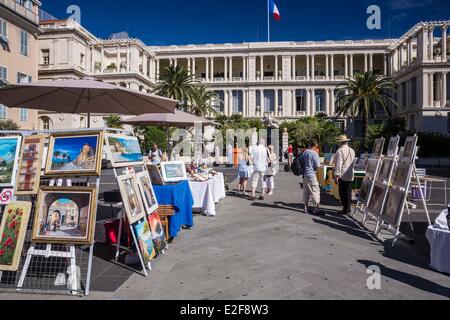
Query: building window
{"type": "Point", "coordinates": [3, 76]}
{"type": "Point", "coordinates": [218, 104]}
{"type": "Point", "coordinates": [320, 100]}
{"type": "Point", "coordinates": [3, 112]}
{"type": "Point", "coordinates": [23, 78]}
{"type": "Point", "coordinates": [45, 123]}
{"type": "Point", "coordinates": [237, 101]}
{"type": "Point", "coordinates": [300, 100]}
{"type": "Point", "coordinates": [81, 59]}
{"type": "Point", "coordinates": [45, 53]}
{"type": "Point", "coordinates": [24, 42]}
{"type": "Point", "coordinates": [414, 90]}
{"type": "Point", "coordinates": [23, 115]}
{"type": "Point", "coordinates": [269, 101]}
{"type": "Point", "coordinates": [3, 29]}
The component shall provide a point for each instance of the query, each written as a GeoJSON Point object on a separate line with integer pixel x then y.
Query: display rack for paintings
{"type": "Point", "coordinates": [44, 264]}
{"type": "Point", "coordinates": [373, 167]}
{"type": "Point", "coordinates": [396, 202]}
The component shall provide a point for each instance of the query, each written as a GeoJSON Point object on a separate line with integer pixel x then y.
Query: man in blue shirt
{"type": "Point", "coordinates": [311, 188]}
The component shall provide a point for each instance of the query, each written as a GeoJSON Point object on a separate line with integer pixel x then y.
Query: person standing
{"type": "Point", "coordinates": [260, 161]}
{"type": "Point", "coordinates": [311, 188]}
{"type": "Point", "coordinates": [155, 154]}
{"type": "Point", "coordinates": [244, 171]}
{"type": "Point", "coordinates": [344, 162]}
{"type": "Point", "coordinates": [290, 155]}
{"type": "Point", "coordinates": [272, 170]}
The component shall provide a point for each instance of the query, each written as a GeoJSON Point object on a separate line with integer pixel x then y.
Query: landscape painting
{"type": "Point", "coordinates": [386, 168]}
{"type": "Point", "coordinates": [159, 239]}
{"type": "Point", "coordinates": [144, 237]}
{"type": "Point", "coordinates": [378, 148]}
{"type": "Point", "coordinates": [29, 174]}
{"type": "Point", "coordinates": [376, 201]}
{"type": "Point", "coordinates": [402, 176]}
{"type": "Point", "coordinates": [12, 230]}
{"type": "Point", "coordinates": [363, 192]}
{"type": "Point", "coordinates": [394, 207]}
{"type": "Point", "coordinates": [372, 166]}
{"type": "Point", "coordinates": [148, 194]}
{"type": "Point", "coordinates": [123, 150]}
{"type": "Point", "coordinates": [65, 215]}
{"type": "Point", "coordinates": [9, 154]}
{"type": "Point", "coordinates": [393, 146]}
{"type": "Point", "coordinates": [131, 198]}
{"type": "Point", "coordinates": [79, 154]}
{"type": "Point", "coordinates": [173, 171]}
{"type": "Point", "coordinates": [408, 151]}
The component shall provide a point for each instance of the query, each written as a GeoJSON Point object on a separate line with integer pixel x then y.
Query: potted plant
{"type": "Point", "coordinates": [112, 66]}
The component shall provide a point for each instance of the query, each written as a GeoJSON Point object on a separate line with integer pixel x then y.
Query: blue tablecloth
{"type": "Point", "coordinates": [178, 195]}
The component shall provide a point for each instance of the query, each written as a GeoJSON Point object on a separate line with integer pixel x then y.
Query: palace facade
{"type": "Point", "coordinates": [286, 80]}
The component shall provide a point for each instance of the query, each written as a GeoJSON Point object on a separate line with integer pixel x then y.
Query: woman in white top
{"type": "Point", "coordinates": [272, 170]}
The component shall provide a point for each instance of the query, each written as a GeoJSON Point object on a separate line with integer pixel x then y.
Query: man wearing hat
{"type": "Point", "coordinates": [344, 172]}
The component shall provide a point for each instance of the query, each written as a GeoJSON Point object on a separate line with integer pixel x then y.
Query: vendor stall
{"type": "Point", "coordinates": [325, 176]}
{"type": "Point", "coordinates": [208, 193]}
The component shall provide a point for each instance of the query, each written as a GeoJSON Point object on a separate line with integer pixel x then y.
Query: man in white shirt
{"type": "Point", "coordinates": [344, 174]}
{"type": "Point", "coordinates": [260, 159]}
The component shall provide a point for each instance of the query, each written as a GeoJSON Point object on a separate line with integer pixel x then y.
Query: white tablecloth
{"type": "Point", "coordinates": [206, 194]}
{"type": "Point", "coordinates": [438, 236]}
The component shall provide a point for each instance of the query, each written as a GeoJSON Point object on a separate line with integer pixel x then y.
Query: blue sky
{"type": "Point", "coordinates": [167, 22]}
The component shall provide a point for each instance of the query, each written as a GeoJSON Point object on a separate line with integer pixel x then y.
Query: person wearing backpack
{"type": "Point", "coordinates": [311, 190]}
{"type": "Point", "coordinates": [344, 174]}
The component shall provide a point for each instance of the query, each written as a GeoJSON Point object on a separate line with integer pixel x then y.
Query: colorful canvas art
{"type": "Point", "coordinates": [395, 203]}
{"type": "Point", "coordinates": [131, 198]}
{"type": "Point", "coordinates": [144, 238]}
{"type": "Point", "coordinates": [65, 215]}
{"type": "Point", "coordinates": [376, 201]}
{"type": "Point", "coordinates": [9, 154]}
{"type": "Point", "coordinates": [147, 192]}
{"type": "Point", "coordinates": [123, 151]}
{"type": "Point", "coordinates": [173, 171]}
{"type": "Point", "coordinates": [79, 154]}
{"type": "Point", "coordinates": [29, 174]}
{"type": "Point", "coordinates": [159, 239]}
{"type": "Point", "coordinates": [12, 231]}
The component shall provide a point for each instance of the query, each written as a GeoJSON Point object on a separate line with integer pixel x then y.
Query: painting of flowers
{"type": "Point", "coordinates": [12, 230]}
{"type": "Point", "coordinates": [9, 153]}
{"type": "Point", "coordinates": [144, 237]}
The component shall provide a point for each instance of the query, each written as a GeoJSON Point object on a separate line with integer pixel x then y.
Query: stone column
{"type": "Point", "coordinates": [157, 71]}
{"type": "Point", "coordinates": [444, 43]}
{"type": "Point", "coordinates": [327, 101]}
{"type": "Point", "coordinates": [276, 67]}
{"type": "Point", "coordinates": [207, 68]}
{"type": "Point", "coordinates": [293, 67]}
{"type": "Point", "coordinates": [313, 102]}
{"type": "Point", "coordinates": [346, 65]}
{"type": "Point", "coordinates": [333, 102]}
{"type": "Point", "coordinates": [332, 67]}
{"type": "Point", "coordinates": [102, 62]}
{"type": "Point", "coordinates": [194, 68]}
{"type": "Point", "coordinates": [366, 68]}
{"type": "Point", "coordinates": [308, 74]}
{"type": "Point", "coordinates": [327, 67]}
{"type": "Point", "coordinates": [431, 75]}
{"type": "Point", "coordinates": [293, 103]}
{"type": "Point", "coordinates": [313, 67]}
{"type": "Point", "coordinates": [118, 59]}
{"type": "Point", "coordinates": [261, 69]}
{"type": "Point", "coordinates": [244, 69]}
{"type": "Point", "coordinates": [351, 65]}
{"type": "Point", "coordinates": [276, 102]}
{"type": "Point", "coordinates": [425, 90]}
{"type": "Point", "coordinates": [444, 89]}
{"type": "Point", "coordinates": [212, 68]}
{"type": "Point", "coordinates": [431, 44]}
{"type": "Point", "coordinates": [225, 68]}
{"type": "Point", "coordinates": [385, 68]}
{"type": "Point", "coordinates": [261, 101]}
{"type": "Point", "coordinates": [371, 62]}
{"type": "Point", "coordinates": [308, 102]}
{"type": "Point", "coordinates": [145, 65]}
{"type": "Point", "coordinates": [230, 72]}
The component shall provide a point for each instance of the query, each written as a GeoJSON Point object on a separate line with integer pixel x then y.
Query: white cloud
{"type": "Point", "coordinates": [408, 4]}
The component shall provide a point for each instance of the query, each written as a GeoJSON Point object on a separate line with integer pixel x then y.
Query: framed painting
{"type": "Point", "coordinates": [409, 151]}
{"type": "Point", "coordinates": [402, 175]}
{"type": "Point", "coordinates": [65, 215]}
{"type": "Point", "coordinates": [386, 168]}
{"type": "Point", "coordinates": [12, 230]}
{"type": "Point", "coordinates": [378, 146]}
{"type": "Point", "coordinates": [159, 239]}
{"type": "Point", "coordinates": [173, 171]}
{"type": "Point", "coordinates": [393, 146]}
{"type": "Point", "coordinates": [155, 174]}
{"type": "Point", "coordinates": [364, 191]}
{"type": "Point", "coordinates": [144, 238]}
{"type": "Point", "coordinates": [9, 155]}
{"type": "Point", "coordinates": [131, 198]}
{"type": "Point", "coordinates": [30, 165]}
{"type": "Point", "coordinates": [74, 154]}
{"type": "Point", "coordinates": [372, 167]}
{"type": "Point", "coordinates": [395, 203]}
{"type": "Point", "coordinates": [123, 151]}
{"type": "Point", "coordinates": [376, 201]}
{"type": "Point", "coordinates": [147, 192]}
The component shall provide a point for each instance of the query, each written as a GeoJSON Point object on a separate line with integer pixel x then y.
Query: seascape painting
{"type": "Point", "coordinates": [74, 154]}
{"type": "Point", "coordinates": [173, 171]}
{"type": "Point", "coordinates": [124, 150]}
{"type": "Point", "coordinates": [9, 153]}
{"type": "Point", "coordinates": [65, 215]}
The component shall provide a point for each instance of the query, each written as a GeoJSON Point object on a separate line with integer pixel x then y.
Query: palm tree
{"type": "Point", "coordinates": [114, 121]}
{"type": "Point", "coordinates": [363, 95]}
{"type": "Point", "coordinates": [201, 104]}
{"type": "Point", "coordinates": [175, 83]}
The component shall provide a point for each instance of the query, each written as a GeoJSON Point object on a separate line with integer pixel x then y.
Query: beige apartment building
{"type": "Point", "coordinates": [19, 30]}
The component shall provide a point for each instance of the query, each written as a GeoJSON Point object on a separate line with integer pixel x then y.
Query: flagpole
{"type": "Point", "coordinates": [268, 20]}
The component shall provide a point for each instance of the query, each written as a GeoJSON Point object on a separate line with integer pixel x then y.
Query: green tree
{"type": "Point", "coordinates": [149, 135]}
{"type": "Point", "coordinates": [114, 122]}
{"type": "Point", "coordinates": [202, 99]}
{"type": "Point", "coordinates": [176, 83]}
{"type": "Point", "coordinates": [363, 95]}
{"type": "Point", "coordinates": [9, 125]}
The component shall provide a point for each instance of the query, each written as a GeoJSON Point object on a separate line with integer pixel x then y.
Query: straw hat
{"type": "Point", "coordinates": [343, 138]}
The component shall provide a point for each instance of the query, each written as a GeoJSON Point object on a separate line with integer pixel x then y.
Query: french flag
{"type": "Point", "coordinates": [274, 10]}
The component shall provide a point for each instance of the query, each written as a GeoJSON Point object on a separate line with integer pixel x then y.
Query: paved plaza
{"type": "Point", "coordinates": [273, 250]}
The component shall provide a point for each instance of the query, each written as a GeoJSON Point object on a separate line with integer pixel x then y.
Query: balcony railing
{"type": "Point", "coordinates": [300, 78]}
{"type": "Point", "coordinates": [21, 10]}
